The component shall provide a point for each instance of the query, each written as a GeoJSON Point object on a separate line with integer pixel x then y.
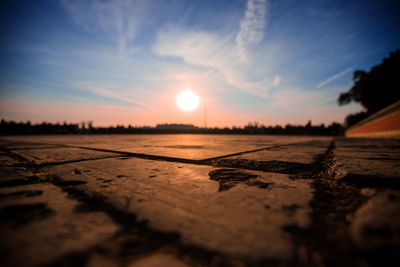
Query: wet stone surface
{"type": "Point", "coordinates": [199, 201]}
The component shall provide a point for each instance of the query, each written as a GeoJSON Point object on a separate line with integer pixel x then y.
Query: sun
{"type": "Point", "coordinates": [187, 100]}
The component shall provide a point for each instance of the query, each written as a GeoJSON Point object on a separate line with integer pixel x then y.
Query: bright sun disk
{"type": "Point", "coordinates": [187, 100]}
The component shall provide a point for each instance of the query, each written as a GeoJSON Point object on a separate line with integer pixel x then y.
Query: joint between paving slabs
{"type": "Point", "coordinates": [327, 240]}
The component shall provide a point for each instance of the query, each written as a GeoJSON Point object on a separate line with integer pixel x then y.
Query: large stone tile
{"type": "Point", "coordinates": [239, 212]}
{"type": "Point", "coordinates": [64, 154]}
{"type": "Point", "coordinates": [376, 224]}
{"type": "Point", "coordinates": [40, 224]}
{"type": "Point", "coordinates": [158, 260]}
{"type": "Point", "coordinates": [190, 146]}
{"type": "Point", "coordinates": [298, 153]}
{"type": "Point", "coordinates": [364, 143]}
{"type": "Point", "coordinates": [17, 143]}
{"type": "Point", "coordinates": [367, 157]}
{"type": "Point", "coordinates": [5, 160]}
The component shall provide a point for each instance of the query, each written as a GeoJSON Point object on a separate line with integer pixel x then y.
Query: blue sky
{"type": "Point", "coordinates": [124, 62]}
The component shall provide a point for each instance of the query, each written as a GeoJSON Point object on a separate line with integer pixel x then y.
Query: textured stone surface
{"type": "Point", "coordinates": [366, 157]}
{"type": "Point", "coordinates": [82, 200]}
{"type": "Point", "coordinates": [52, 155]}
{"type": "Point", "coordinates": [40, 224]}
{"type": "Point", "coordinates": [158, 260]}
{"type": "Point", "coordinates": [181, 146]}
{"type": "Point", "coordinates": [298, 153]}
{"type": "Point", "coordinates": [25, 142]}
{"type": "Point", "coordinates": [376, 224]}
{"type": "Point", "coordinates": [182, 198]}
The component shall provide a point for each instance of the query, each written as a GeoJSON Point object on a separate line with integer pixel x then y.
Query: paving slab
{"type": "Point", "coordinates": [63, 154]}
{"type": "Point", "coordinates": [298, 153]}
{"type": "Point", "coordinates": [246, 218]}
{"type": "Point", "coordinates": [158, 260]}
{"type": "Point", "coordinates": [21, 143]}
{"type": "Point", "coordinates": [367, 157]}
{"type": "Point", "coordinates": [5, 160]}
{"type": "Point", "coordinates": [40, 224]}
{"type": "Point", "coordinates": [190, 146]}
{"type": "Point", "coordinates": [376, 224]}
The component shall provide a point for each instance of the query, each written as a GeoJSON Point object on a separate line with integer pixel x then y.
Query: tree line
{"type": "Point", "coordinates": [27, 128]}
{"type": "Point", "coordinates": [375, 89]}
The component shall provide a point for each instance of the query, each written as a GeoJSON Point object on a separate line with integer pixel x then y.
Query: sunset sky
{"type": "Point", "coordinates": [124, 62]}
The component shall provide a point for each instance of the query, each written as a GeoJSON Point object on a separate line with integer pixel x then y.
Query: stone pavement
{"type": "Point", "coordinates": [199, 200]}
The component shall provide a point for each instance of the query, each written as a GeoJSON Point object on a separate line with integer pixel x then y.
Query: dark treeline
{"type": "Point", "coordinates": [26, 128]}
{"type": "Point", "coordinates": [375, 89]}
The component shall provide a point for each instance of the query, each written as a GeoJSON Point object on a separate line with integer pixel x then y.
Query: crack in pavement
{"type": "Point", "coordinates": [327, 241]}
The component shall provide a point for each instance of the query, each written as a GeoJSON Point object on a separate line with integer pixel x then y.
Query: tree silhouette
{"type": "Point", "coordinates": [18, 128]}
{"type": "Point", "coordinates": [378, 88]}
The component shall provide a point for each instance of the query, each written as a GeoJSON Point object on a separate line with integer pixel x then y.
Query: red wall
{"type": "Point", "coordinates": [385, 124]}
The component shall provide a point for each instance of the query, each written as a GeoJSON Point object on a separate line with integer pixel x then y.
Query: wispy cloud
{"type": "Point", "coordinates": [334, 77]}
{"type": "Point", "coordinates": [113, 94]}
{"type": "Point", "coordinates": [42, 110]}
{"type": "Point", "coordinates": [316, 105]}
{"type": "Point", "coordinates": [225, 53]}
{"type": "Point", "coordinates": [195, 47]}
{"type": "Point", "coordinates": [292, 99]}
{"type": "Point", "coordinates": [118, 19]}
{"type": "Point", "coordinates": [277, 80]}
{"type": "Point", "coordinates": [213, 51]}
{"type": "Point", "coordinates": [252, 25]}
{"type": "Point", "coordinates": [298, 99]}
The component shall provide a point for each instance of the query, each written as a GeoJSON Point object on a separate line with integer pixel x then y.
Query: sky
{"type": "Point", "coordinates": [124, 62]}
